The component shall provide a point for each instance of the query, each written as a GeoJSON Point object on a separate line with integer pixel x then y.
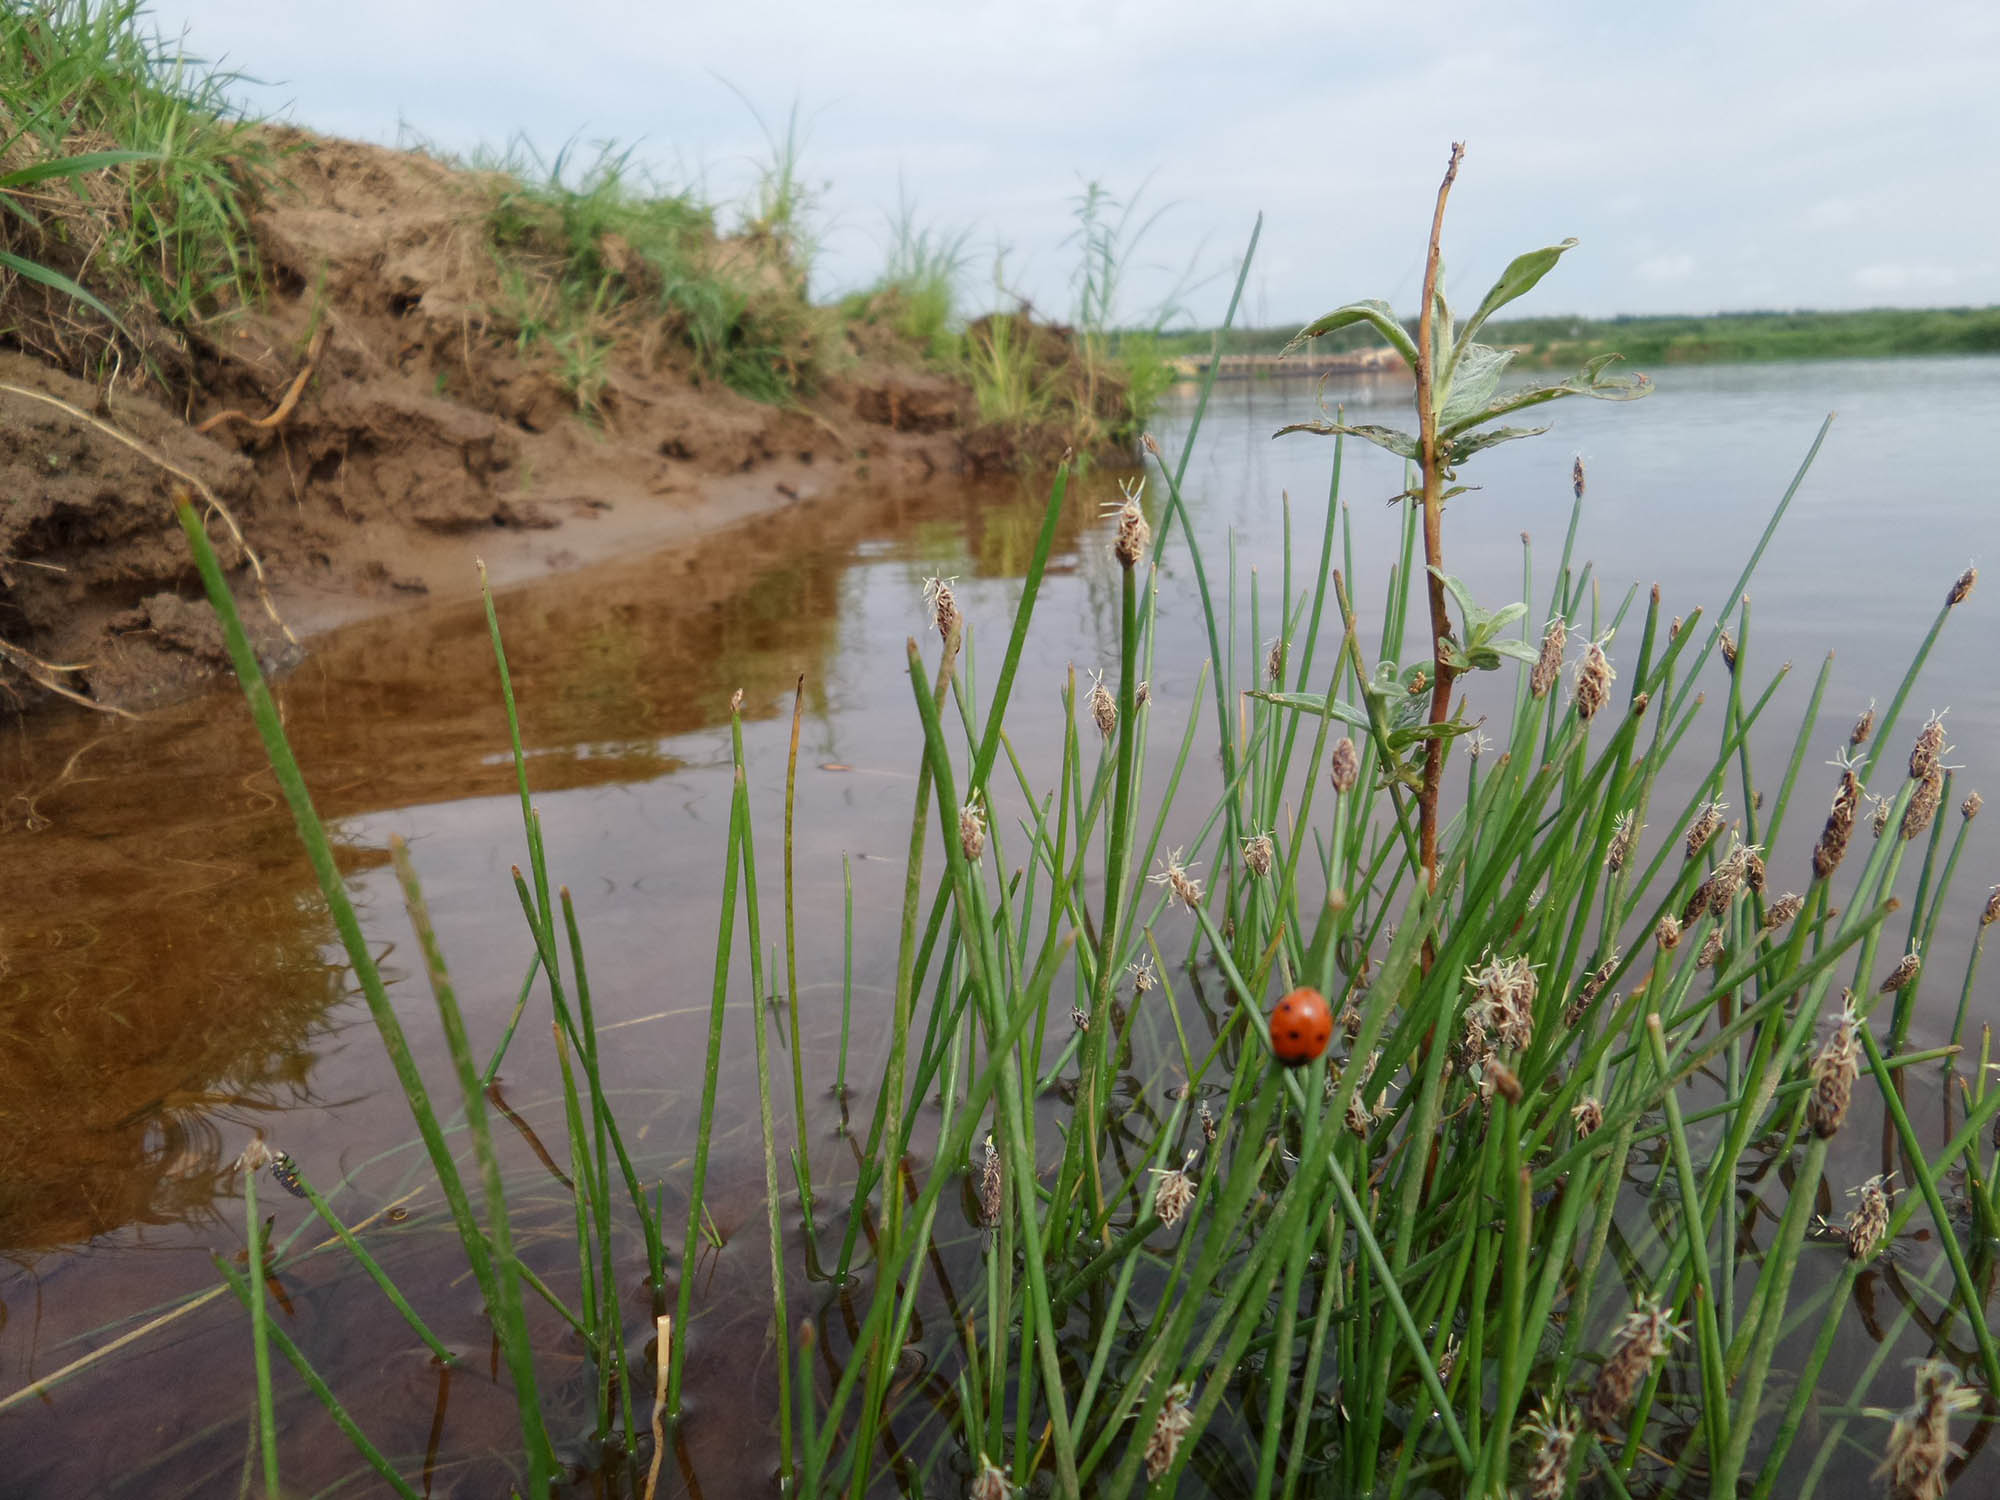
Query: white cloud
{"type": "Point", "coordinates": [1665, 139]}
{"type": "Point", "coordinates": [1834, 213]}
{"type": "Point", "coordinates": [1899, 280]}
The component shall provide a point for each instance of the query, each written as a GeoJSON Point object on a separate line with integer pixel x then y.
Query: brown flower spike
{"type": "Point", "coordinates": [1134, 535]}
{"type": "Point", "coordinates": [1833, 839]}
{"type": "Point", "coordinates": [1834, 1068]}
{"type": "Point", "coordinates": [1706, 821]}
{"type": "Point", "coordinates": [1556, 1427]}
{"type": "Point", "coordinates": [1644, 1336]}
{"type": "Point", "coordinates": [1961, 589]}
{"type": "Point", "coordinates": [1905, 971]}
{"type": "Point", "coordinates": [1594, 677]}
{"type": "Point", "coordinates": [1869, 1221]}
{"type": "Point", "coordinates": [1344, 765]}
{"type": "Point", "coordinates": [1920, 1448]}
{"type": "Point", "coordinates": [1103, 707]}
{"type": "Point", "coordinates": [1555, 640]}
{"type": "Point", "coordinates": [1168, 1429]}
{"type": "Point", "coordinates": [1783, 910]}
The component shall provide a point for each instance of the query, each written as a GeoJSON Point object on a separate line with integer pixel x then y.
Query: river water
{"type": "Point", "coordinates": [170, 985]}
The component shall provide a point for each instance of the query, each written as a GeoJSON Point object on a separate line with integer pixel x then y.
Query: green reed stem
{"type": "Point", "coordinates": [245, 1289]}
{"type": "Point", "coordinates": [260, 1337]}
{"type": "Point", "coordinates": [508, 1319]}
{"type": "Point", "coordinates": [705, 1127]}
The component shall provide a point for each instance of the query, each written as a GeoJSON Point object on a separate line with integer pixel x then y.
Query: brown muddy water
{"type": "Point", "coordinates": [170, 985]}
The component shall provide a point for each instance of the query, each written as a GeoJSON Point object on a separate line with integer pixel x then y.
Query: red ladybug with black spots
{"type": "Point", "coordinates": [1301, 1026]}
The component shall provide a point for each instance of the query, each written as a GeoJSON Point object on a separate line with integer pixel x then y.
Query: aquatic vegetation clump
{"type": "Point", "coordinates": [1484, 1191]}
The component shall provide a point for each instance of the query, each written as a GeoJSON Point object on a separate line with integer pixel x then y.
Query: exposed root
{"type": "Point", "coordinates": [284, 406]}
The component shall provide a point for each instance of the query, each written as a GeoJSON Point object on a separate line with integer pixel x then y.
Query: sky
{"type": "Point", "coordinates": [1708, 156]}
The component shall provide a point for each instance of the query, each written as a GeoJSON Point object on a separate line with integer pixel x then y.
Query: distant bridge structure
{"type": "Point", "coordinates": [1382, 361]}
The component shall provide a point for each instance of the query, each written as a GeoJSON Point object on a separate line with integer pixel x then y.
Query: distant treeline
{"type": "Point", "coordinates": [1684, 339]}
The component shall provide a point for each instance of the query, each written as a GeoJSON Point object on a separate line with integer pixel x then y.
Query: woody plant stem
{"type": "Point", "coordinates": [1433, 501]}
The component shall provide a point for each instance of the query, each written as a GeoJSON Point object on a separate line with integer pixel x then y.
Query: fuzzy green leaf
{"type": "Point", "coordinates": [1376, 313]}
{"type": "Point", "coordinates": [1458, 450]}
{"type": "Point", "coordinates": [1315, 703]}
{"type": "Point", "coordinates": [1590, 381]}
{"type": "Point", "coordinates": [1399, 443]}
{"type": "Point", "coordinates": [1474, 379]}
{"type": "Point", "coordinates": [1516, 281]}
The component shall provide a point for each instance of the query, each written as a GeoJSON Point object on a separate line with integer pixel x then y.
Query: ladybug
{"type": "Point", "coordinates": [1301, 1026]}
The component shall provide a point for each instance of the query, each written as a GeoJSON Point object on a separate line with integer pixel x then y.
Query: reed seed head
{"type": "Point", "coordinates": [1142, 694]}
{"type": "Point", "coordinates": [1991, 913]}
{"type": "Point", "coordinates": [1923, 804]}
{"type": "Point", "coordinates": [1178, 878]}
{"type": "Point", "coordinates": [989, 1187]}
{"type": "Point", "coordinates": [1548, 666]}
{"type": "Point", "coordinates": [1174, 1191]}
{"type": "Point", "coordinates": [1969, 808]}
{"type": "Point", "coordinates": [1345, 765]}
{"type": "Point", "coordinates": [1711, 951]}
{"type": "Point", "coordinates": [1920, 1447]}
{"type": "Point", "coordinates": [1783, 910]}
{"type": "Point", "coordinates": [1258, 853]}
{"type": "Point", "coordinates": [1834, 1068]}
{"type": "Point", "coordinates": [943, 605]}
{"type": "Point", "coordinates": [1961, 588]}
{"type": "Point", "coordinates": [1863, 726]}
{"type": "Point", "coordinates": [1587, 1114]}
{"type": "Point", "coordinates": [1905, 971]}
{"type": "Point", "coordinates": [1930, 746]}
{"type": "Point", "coordinates": [1207, 1118]}
{"type": "Point", "coordinates": [1728, 643]}
{"type": "Point", "coordinates": [1078, 1019]}
{"type": "Point", "coordinates": [1594, 677]}
{"type": "Point", "coordinates": [1134, 535]}
{"type": "Point", "coordinates": [1625, 829]}
{"type": "Point", "coordinates": [1555, 1427]}
{"type": "Point", "coordinates": [1576, 477]}
{"type": "Point", "coordinates": [1448, 1361]}
{"type": "Point", "coordinates": [1869, 1221]}
{"type": "Point", "coordinates": [1274, 661]}
{"type": "Point", "coordinates": [1668, 933]}
{"type": "Point", "coordinates": [990, 1483]}
{"type": "Point", "coordinates": [1168, 1429]}
{"type": "Point", "coordinates": [1506, 1083]}
{"type": "Point", "coordinates": [1707, 819]}
{"type": "Point", "coordinates": [1143, 977]}
{"type": "Point", "coordinates": [972, 828]}
{"type": "Point", "coordinates": [1644, 1336]}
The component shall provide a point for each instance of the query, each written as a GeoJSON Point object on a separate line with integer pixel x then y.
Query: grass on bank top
{"type": "Point", "coordinates": [126, 183]}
